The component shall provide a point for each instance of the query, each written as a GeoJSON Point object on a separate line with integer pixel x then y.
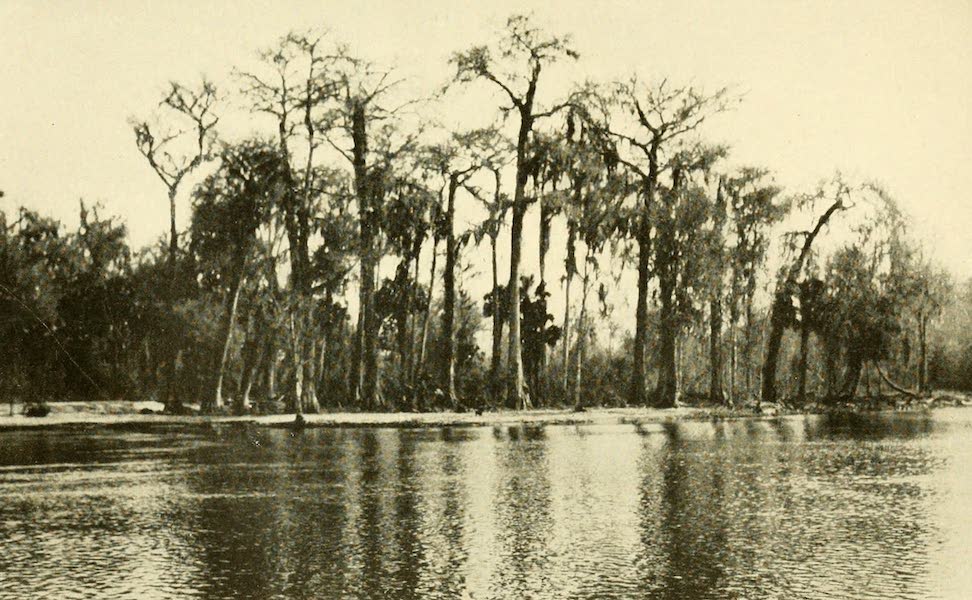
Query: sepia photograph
{"type": "Point", "coordinates": [319, 299]}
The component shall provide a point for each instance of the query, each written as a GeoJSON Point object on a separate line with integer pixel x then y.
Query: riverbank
{"type": "Point", "coordinates": [145, 415]}
{"type": "Point", "coordinates": [108, 414]}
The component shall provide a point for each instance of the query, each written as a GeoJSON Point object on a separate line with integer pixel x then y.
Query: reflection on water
{"type": "Point", "coordinates": [809, 507]}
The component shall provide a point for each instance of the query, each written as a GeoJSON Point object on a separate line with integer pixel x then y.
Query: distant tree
{"type": "Point", "coordinates": [934, 288]}
{"type": "Point", "coordinates": [31, 252]}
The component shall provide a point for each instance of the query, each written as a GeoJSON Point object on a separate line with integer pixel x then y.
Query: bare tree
{"type": "Point", "coordinates": [175, 143]}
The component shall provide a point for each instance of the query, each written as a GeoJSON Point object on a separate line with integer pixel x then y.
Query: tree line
{"type": "Point", "coordinates": [324, 263]}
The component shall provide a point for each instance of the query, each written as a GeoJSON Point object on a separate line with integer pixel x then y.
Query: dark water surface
{"type": "Point", "coordinates": [807, 507]}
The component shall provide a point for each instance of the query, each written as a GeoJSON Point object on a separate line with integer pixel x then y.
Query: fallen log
{"type": "Point", "coordinates": [894, 386]}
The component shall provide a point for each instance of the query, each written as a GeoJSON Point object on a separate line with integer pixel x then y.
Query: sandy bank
{"type": "Point", "coordinates": [123, 414]}
{"type": "Point", "coordinates": [119, 414]}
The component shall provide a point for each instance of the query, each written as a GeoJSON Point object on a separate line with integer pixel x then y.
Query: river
{"type": "Point", "coordinates": [853, 506]}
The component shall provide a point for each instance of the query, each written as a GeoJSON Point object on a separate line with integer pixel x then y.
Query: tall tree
{"type": "Point", "coordinates": [754, 208]}
{"type": "Point", "coordinates": [653, 119]}
{"type": "Point", "coordinates": [456, 162]}
{"type": "Point", "coordinates": [368, 133]}
{"type": "Point", "coordinates": [716, 283]}
{"type": "Point", "coordinates": [496, 209]}
{"type": "Point", "coordinates": [514, 64]}
{"type": "Point", "coordinates": [680, 245]}
{"type": "Point", "coordinates": [838, 193]}
{"type": "Point", "coordinates": [175, 143]}
{"type": "Point", "coordinates": [297, 84]}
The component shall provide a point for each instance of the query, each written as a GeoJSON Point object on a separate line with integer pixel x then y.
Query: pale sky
{"type": "Point", "coordinates": [877, 89]}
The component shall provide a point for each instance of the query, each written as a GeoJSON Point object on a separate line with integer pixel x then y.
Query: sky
{"type": "Point", "coordinates": [877, 89]}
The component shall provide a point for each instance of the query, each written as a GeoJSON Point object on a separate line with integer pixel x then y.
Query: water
{"type": "Point", "coordinates": [804, 507]}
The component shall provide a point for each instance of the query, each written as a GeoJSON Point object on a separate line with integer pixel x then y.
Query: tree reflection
{"type": "Point", "coordinates": [522, 507]}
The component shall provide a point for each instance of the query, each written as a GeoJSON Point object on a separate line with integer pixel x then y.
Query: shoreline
{"type": "Point", "coordinates": [540, 417]}
{"type": "Point", "coordinates": [125, 415]}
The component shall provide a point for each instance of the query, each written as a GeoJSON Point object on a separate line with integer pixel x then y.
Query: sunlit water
{"type": "Point", "coordinates": [806, 507]}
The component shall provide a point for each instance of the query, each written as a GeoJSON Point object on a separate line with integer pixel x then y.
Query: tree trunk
{"type": "Point", "coordinates": [581, 336]}
{"type": "Point", "coordinates": [830, 364]}
{"type": "Point", "coordinates": [271, 372]}
{"type": "Point", "coordinates": [309, 398]}
{"type": "Point", "coordinates": [638, 395]}
{"type": "Point", "coordinates": [667, 390]}
{"type": "Point", "coordinates": [853, 377]}
{"type": "Point", "coordinates": [570, 268]}
{"type": "Point", "coordinates": [715, 351]}
{"type": "Point", "coordinates": [252, 357]}
{"type": "Point", "coordinates": [298, 380]}
{"type": "Point", "coordinates": [404, 311]}
{"type": "Point", "coordinates": [516, 396]}
{"type": "Point", "coordinates": [666, 264]}
{"type": "Point", "coordinates": [412, 319]}
{"type": "Point", "coordinates": [173, 402]}
{"type": "Point", "coordinates": [679, 346]}
{"type": "Point", "coordinates": [321, 354]}
{"type": "Point", "coordinates": [804, 362]}
{"type": "Point", "coordinates": [448, 380]}
{"type": "Point", "coordinates": [427, 319]}
{"type": "Point", "coordinates": [546, 214]}
{"type": "Point", "coordinates": [866, 373]}
{"type": "Point", "coordinates": [357, 350]}
{"type": "Point", "coordinates": [716, 395]}
{"type": "Point", "coordinates": [732, 362]}
{"type": "Point", "coordinates": [748, 351]}
{"type": "Point", "coordinates": [305, 333]}
{"type": "Point", "coordinates": [229, 319]}
{"type": "Point", "coordinates": [497, 350]}
{"type": "Point", "coordinates": [773, 343]}
{"type": "Point", "coordinates": [372, 382]}
{"type": "Point", "coordinates": [922, 354]}
{"type": "Point", "coordinates": [366, 365]}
